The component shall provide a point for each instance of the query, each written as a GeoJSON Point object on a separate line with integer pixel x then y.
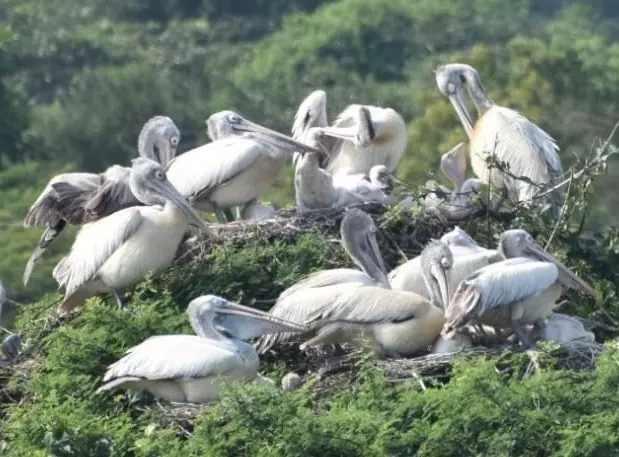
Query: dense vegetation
{"type": "Point", "coordinates": [78, 79]}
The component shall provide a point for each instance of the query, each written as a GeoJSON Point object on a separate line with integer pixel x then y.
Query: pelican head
{"type": "Point", "coordinates": [436, 260]}
{"type": "Point", "coordinates": [453, 164]}
{"type": "Point", "coordinates": [229, 123]}
{"type": "Point", "coordinates": [312, 112]}
{"type": "Point", "coordinates": [358, 233]}
{"type": "Point", "coordinates": [519, 243]}
{"type": "Point", "coordinates": [315, 138]}
{"type": "Point", "coordinates": [161, 133]}
{"type": "Point", "coordinates": [451, 80]}
{"type": "Point", "coordinates": [215, 317]}
{"type": "Point", "coordinates": [382, 176]}
{"type": "Point", "coordinates": [458, 237]}
{"type": "Point", "coordinates": [150, 185]}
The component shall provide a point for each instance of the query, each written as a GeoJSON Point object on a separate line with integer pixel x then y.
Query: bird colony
{"type": "Point", "coordinates": [455, 294]}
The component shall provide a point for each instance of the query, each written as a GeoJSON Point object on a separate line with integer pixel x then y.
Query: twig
{"type": "Point", "coordinates": [562, 212]}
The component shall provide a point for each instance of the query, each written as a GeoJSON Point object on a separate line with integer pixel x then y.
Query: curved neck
{"type": "Point", "coordinates": [146, 145]}
{"type": "Point", "coordinates": [365, 262]}
{"type": "Point", "coordinates": [204, 327]}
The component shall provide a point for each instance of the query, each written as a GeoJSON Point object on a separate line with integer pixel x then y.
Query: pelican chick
{"type": "Point", "coordinates": [77, 198]}
{"type": "Point", "coordinates": [119, 250]}
{"type": "Point", "coordinates": [399, 323]}
{"type": "Point", "coordinates": [458, 203]}
{"type": "Point", "coordinates": [312, 112]}
{"type": "Point", "coordinates": [255, 209]}
{"type": "Point", "coordinates": [530, 153]}
{"type": "Point", "coordinates": [565, 330]}
{"type": "Point", "coordinates": [193, 368]}
{"type": "Point", "coordinates": [521, 290]}
{"type": "Point", "coordinates": [358, 234]}
{"type": "Point", "coordinates": [240, 165]}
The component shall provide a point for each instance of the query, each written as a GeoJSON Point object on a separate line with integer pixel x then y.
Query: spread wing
{"type": "Point", "coordinates": [198, 172]}
{"type": "Point", "coordinates": [93, 246]}
{"type": "Point", "coordinates": [173, 357]}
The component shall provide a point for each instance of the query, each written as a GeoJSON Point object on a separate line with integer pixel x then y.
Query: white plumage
{"type": "Point", "coordinates": [193, 368]}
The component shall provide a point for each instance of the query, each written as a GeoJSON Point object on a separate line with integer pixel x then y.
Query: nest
{"type": "Point", "coordinates": [402, 234]}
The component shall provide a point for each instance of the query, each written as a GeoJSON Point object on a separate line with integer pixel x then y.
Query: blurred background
{"type": "Point", "coordinates": [80, 77]}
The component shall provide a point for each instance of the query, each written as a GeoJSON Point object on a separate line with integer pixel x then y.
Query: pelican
{"type": "Point", "coordinates": [193, 368]}
{"type": "Point", "coordinates": [315, 188]}
{"type": "Point", "coordinates": [565, 330]}
{"type": "Point", "coordinates": [239, 166]}
{"type": "Point", "coordinates": [121, 249]}
{"type": "Point", "coordinates": [256, 210]}
{"type": "Point", "coordinates": [521, 290]}
{"type": "Point", "coordinates": [458, 203]}
{"type": "Point", "coordinates": [399, 323]}
{"type": "Point", "coordinates": [530, 153]}
{"type": "Point", "coordinates": [77, 198]}
{"type": "Point", "coordinates": [358, 234]}
{"type": "Point", "coordinates": [312, 112]}
{"type": "Point", "coordinates": [468, 257]}
{"type": "Point", "coordinates": [362, 135]}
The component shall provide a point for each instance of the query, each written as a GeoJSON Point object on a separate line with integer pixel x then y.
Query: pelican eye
{"type": "Point", "coordinates": [159, 174]}
{"type": "Point", "coordinates": [451, 87]}
{"type": "Point", "coordinates": [445, 262]}
{"type": "Point", "coordinates": [234, 118]}
{"type": "Point", "coordinates": [174, 140]}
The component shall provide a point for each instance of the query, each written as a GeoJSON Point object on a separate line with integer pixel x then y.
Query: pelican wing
{"type": "Point", "coordinates": [112, 196]}
{"type": "Point", "coordinates": [529, 150]}
{"type": "Point", "coordinates": [502, 283]}
{"type": "Point", "coordinates": [326, 278]}
{"type": "Point", "coordinates": [45, 207]}
{"type": "Point", "coordinates": [198, 172]}
{"type": "Point", "coordinates": [166, 357]}
{"type": "Point", "coordinates": [368, 304]}
{"type": "Point", "coordinates": [93, 246]}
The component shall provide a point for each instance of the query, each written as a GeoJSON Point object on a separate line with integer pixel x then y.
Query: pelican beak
{"type": "Point", "coordinates": [373, 252]}
{"type": "Point", "coordinates": [440, 275]}
{"type": "Point", "coordinates": [566, 277]}
{"type": "Point", "coordinates": [234, 309]}
{"type": "Point", "coordinates": [169, 191]}
{"type": "Point", "coordinates": [275, 138]}
{"type": "Point", "coordinates": [457, 100]}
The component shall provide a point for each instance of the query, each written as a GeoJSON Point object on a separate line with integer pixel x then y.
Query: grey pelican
{"type": "Point", "coordinates": [370, 136]}
{"type": "Point", "coordinates": [399, 323]}
{"type": "Point", "coordinates": [315, 188]}
{"type": "Point", "coordinates": [256, 210]}
{"type": "Point", "coordinates": [77, 198]}
{"type": "Point", "coordinates": [458, 203]}
{"type": "Point", "coordinates": [565, 330]}
{"type": "Point", "coordinates": [121, 249]}
{"type": "Point", "coordinates": [193, 368]}
{"type": "Point", "coordinates": [523, 289]}
{"type": "Point", "coordinates": [530, 153]}
{"type": "Point", "coordinates": [358, 234]}
{"type": "Point", "coordinates": [240, 165]}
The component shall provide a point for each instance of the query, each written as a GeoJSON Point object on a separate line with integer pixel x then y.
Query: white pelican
{"type": "Point", "coordinates": [523, 289]}
{"type": "Point", "coordinates": [193, 368]}
{"type": "Point", "coordinates": [121, 249]}
{"type": "Point", "coordinates": [468, 257]}
{"type": "Point", "coordinates": [457, 203]}
{"type": "Point", "coordinates": [370, 135]}
{"type": "Point", "coordinates": [530, 153]}
{"type": "Point", "coordinates": [239, 166]}
{"type": "Point", "coordinates": [77, 198]}
{"type": "Point", "coordinates": [358, 234]}
{"type": "Point", "coordinates": [312, 112]}
{"type": "Point", "coordinates": [316, 188]}
{"type": "Point", "coordinates": [399, 323]}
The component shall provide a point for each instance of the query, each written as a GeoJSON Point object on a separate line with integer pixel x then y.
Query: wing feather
{"type": "Point", "coordinates": [166, 357]}
{"type": "Point", "coordinates": [198, 172]}
{"type": "Point", "coordinates": [93, 246]}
